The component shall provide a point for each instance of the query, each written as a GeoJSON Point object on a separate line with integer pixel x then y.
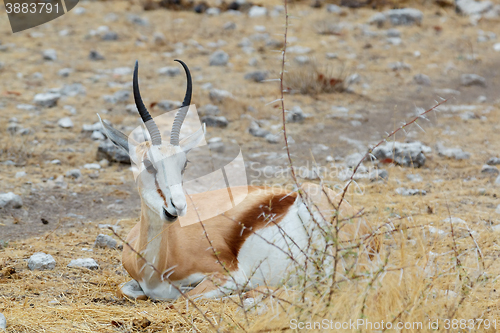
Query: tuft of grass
{"type": "Point", "coordinates": [314, 78]}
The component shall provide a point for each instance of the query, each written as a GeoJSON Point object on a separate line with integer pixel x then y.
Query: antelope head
{"type": "Point", "coordinates": [161, 164]}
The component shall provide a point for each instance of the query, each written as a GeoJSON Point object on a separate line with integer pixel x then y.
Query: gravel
{"type": "Point", "coordinates": [410, 191]}
{"type": "Point", "coordinates": [257, 11]}
{"type": "Point", "coordinates": [256, 76]}
{"type": "Point", "coordinates": [41, 261]}
{"type": "Point", "coordinates": [257, 131]}
{"type": "Point", "coordinates": [490, 169]}
{"type": "Point", "coordinates": [493, 161]}
{"type": "Point", "coordinates": [214, 121]}
{"type": "Point", "coordinates": [107, 150]}
{"type": "Point", "coordinates": [455, 153]}
{"type": "Point", "coordinates": [74, 173]}
{"type": "Point", "coordinates": [50, 55]}
{"type": "Point", "coordinates": [405, 154]}
{"type": "Point", "coordinates": [218, 96]}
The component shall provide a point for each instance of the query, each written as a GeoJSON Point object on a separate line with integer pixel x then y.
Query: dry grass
{"type": "Point", "coordinates": [314, 78]}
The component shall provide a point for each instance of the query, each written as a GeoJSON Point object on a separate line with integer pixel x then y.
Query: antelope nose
{"type": "Point", "coordinates": [179, 206]}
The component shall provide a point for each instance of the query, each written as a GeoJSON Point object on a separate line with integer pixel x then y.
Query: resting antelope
{"type": "Point", "coordinates": [256, 240]}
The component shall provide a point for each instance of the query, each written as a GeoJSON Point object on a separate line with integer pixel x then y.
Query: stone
{"type": "Point", "coordinates": [50, 55]}
{"type": "Point", "coordinates": [455, 153]}
{"type": "Point", "coordinates": [10, 200]}
{"type": "Point", "coordinates": [296, 115]}
{"type": "Point", "coordinates": [353, 160]}
{"type": "Point", "coordinates": [119, 96]}
{"type": "Point", "coordinates": [404, 154]}
{"type": "Point", "coordinates": [167, 105]}
{"type": "Point", "coordinates": [497, 210]}
{"type": "Point", "coordinates": [409, 191]}
{"type": "Point", "coordinates": [41, 261]}
{"type": "Point", "coordinates": [256, 130]}
{"type": "Point", "coordinates": [92, 166]}
{"type": "Point", "coordinates": [297, 49]}
{"type": "Point", "coordinates": [46, 99]}
{"type": "Point", "coordinates": [273, 138]}
{"type": "Point", "coordinates": [159, 38]}
{"type": "Point", "coordinates": [169, 71]}
{"type": "Point", "coordinates": [422, 79]}
{"type": "Point", "coordinates": [256, 76]}
{"type": "Point", "coordinates": [214, 121]}
{"type": "Point", "coordinates": [25, 107]}
{"type": "Point", "coordinates": [493, 161]}
{"type": "Point", "coordinates": [302, 60]}
{"type": "Point", "coordinates": [490, 169]}
{"type": "Point", "coordinates": [65, 122]}
{"type": "Point", "coordinates": [396, 66]}
{"type": "Point", "coordinates": [472, 80]}
{"type": "Point", "coordinates": [416, 178]}
{"type": "Point", "coordinates": [378, 19]}
{"type": "Point", "coordinates": [88, 263]}
{"type": "Point", "coordinates": [331, 8]}
{"type": "Point", "coordinates": [472, 7]}
{"type": "Point", "coordinates": [75, 173]}
{"type": "Point", "coordinates": [210, 109]}
{"type": "Point", "coordinates": [3, 322]}
{"type": "Point", "coordinates": [216, 145]}
{"type": "Point", "coordinates": [378, 174]}
{"type": "Point", "coordinates": [257, 11]}
{"type": "Point", "coordinates": [404, 16]}
{"type": "Point", "coordinates": [136, 19]}
{"type": "Point", "coordinates": [393, 33]}
{"type": "Point", "coordinates": [107, 150]}
{"type": "Point", "coordinates": [218, 96]}
{"type": "Point", "coordinates": [496, 47]}
{"type": "Point", "coordinates": [97, 135]}
{"type": "Point", "coordinates": [97, 126]}
{"type": "Point", "coordinates": [497, 181]}
{"type": "Point", "coordinates": [109, 36]}
{"type": "Point", "coordinates": [65, 72]}
{"type": "Point", "coordinates": [219, 58]}
{"type": "Point", "coordinates": [105, 241]}
{"type": "Point", "coordinates": [95, 55]}
{"type": "Point", "coordinates": [229, 26]}
{"type": "Point", "coordinates": [213, 11]}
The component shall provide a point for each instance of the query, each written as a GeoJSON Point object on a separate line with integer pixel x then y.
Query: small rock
{"type": "Point", "coordinates": [109, 36]}
{"type": "Point", "coordinates": [229, 26]}
{"type": "Point", "coordinates": [50, 55]}
{"type": "Point", "coordinates": [97, 126]}
{"type": "Point", "coordinates": [409, 191]}
{"type": "Point", "coordinates": [273, 138]}
{"type": "Point", "coordinates": [3, 322]}
{"type": "Point", "coordinates": [20, 174]}
{"type": "Point", "coordinates": [490, 169]}
{"type": "Point", "coordinates": [26, 107]}
{"type": "Point", "coordinates": [104, 241]}
{"type": "Point", "coordinates": [302, 60]}
{"type": "Point", "coordinates": [107, 150]}
{"type": "Point", "coordinates": [331, 8]}
{"type": "Point", "coordinates": [497, 181]}
{"type": "Point", "coordinates": [210, 109]}
{"type": "Point", "coordinates": [297, 49]}
{"type": "Point", "coordinates": [257, 131]}
{"type": "Point", "coordinates": [214, 121]}
{"type": "Point", "coordinates": [497, 210]}
{"type": "Point", "coordinates": [472, 7]}
{"type": "Point", "coordinates": [378, 174]}
{"type": "Point", "coordinates": [79, 10]}
{"type": "Point", "coordinates": [46, 99]}
{"type": "Point", "coordinates": [493, 161]}
{"type": "Point", "coordinates": [472, 80]}
{"type": "Point", "coordinates": [218, 96]}
{"type": "Point", "coordinates": [65, 122]}
{"type": "Point", "coordinates": [219, 58]}
{"type": "Point", "coordinates": [213, 11]}
{"type": "Point", "coordinates": [422, 79]}
{"type": "Point", "coordinates": [257, 11]}
{"type": "Point", "coordinates": [396, 66]}
{"type": "Point", "coordinates": [167, 105]}
{"type": "Point", "coordinates": [92, 166]}
{"type": "Point", "coordinates": [496, 47]}
{"type": "Point", "coordinates": [10, 200]}
{"type": "Point", "coordinates": [97, 135]}
{"type": "Point", "coordinates": [117, 97]}
{"type": "Point", "coordinates": [137, 20]}
{"type": "Point", "coordinates": [216, 145]}
{"type": "Point", "coordinates": [41, 261]}
{"type": "Point", "coordinates": [75, 173]}
{"type": "Point", "coordinates": [405, 154]}
{"type": "Point", "coordinates": [378, 19]}
{"type": "Point", "coordinates": [405, 16]}
{"type": "Point", "coordinates": [416, 178]}
{"type": "Point", "coordinates": [88, 263]}
{"type": "Point", "coordinates": [393, 33]}
{"type": "Point", "coordinates": [95, 56]}
{"type": "Point", "coordinates": [455, 153]}
{"type": "Point", "coordinates": [159, 38]}
{"type": "Point", "coordinates": [65, 72]}
{"type": "Point", "coordinates": [257, 76]}
{"type": "Point", "coordinates": [296, 115]}
{"type": "Point", "coordinates": [169, 71]}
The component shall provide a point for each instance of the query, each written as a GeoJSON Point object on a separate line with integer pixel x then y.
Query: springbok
{"type": "Point", "coordinates": [250, 245]}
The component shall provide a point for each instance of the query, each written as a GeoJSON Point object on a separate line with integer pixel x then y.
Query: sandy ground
{"type": "Point", "coordinates": [447, 45]}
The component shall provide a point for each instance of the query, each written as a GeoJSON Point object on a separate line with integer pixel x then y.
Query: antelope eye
{"type": "Point", "coordinates": [149, 166]}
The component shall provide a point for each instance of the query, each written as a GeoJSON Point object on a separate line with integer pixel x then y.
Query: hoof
{"type": "Point", "coordinates": [131, 290]}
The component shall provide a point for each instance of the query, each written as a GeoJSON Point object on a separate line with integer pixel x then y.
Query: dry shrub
{"type": "Point", "coordinates": [313, 78]}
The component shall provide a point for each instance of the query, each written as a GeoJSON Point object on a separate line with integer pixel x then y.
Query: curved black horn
{"type": "Point", "coordinates": [146, 117]}
{"type": "Point", "coordinates": [181, 114]}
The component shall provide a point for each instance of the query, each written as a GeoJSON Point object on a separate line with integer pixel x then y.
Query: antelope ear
{"type": "Point", "coordinates": [117, 137]}
{"type": "Point", "coordinates": [193, 140]}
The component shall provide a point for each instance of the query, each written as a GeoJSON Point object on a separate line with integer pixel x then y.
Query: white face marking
{"type": "Point", "coordinates": [160, 181]}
